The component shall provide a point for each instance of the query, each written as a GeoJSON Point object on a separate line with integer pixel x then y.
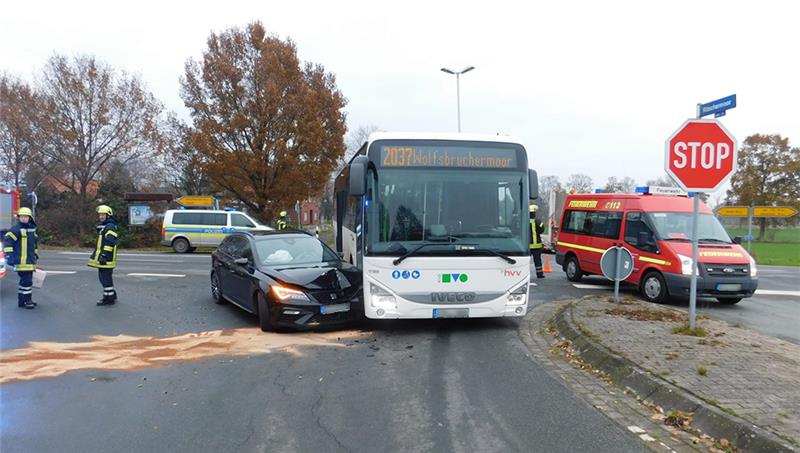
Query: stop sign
{"type": "Point", "coordinates": [701, 155]}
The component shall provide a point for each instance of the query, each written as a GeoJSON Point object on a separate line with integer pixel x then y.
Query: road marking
{"type": "Point", "coordinates": [772, 292]}
{"type": "Point", "coordinates": [585, 286]}
{"type": "Point", "coordinates": [160, 255]}
{"type": "Point", "coordinates": [59, 272]}
{"type": "Point", "coordinates": [136, 274]}
{"type": "Point", "coordinates": [128, 260]}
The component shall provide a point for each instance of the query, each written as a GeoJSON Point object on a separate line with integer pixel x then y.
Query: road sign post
{"type": "Point", "coordinates": [700, 157]}
{"type": "Point", "coordinates": [617, 265]}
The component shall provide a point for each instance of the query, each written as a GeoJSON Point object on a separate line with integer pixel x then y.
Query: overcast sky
{"type": "Point", "coordinates": [589, 87]}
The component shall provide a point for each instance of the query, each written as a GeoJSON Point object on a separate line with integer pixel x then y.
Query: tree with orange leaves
{"type": "Point", "coordinates": [270, 128]}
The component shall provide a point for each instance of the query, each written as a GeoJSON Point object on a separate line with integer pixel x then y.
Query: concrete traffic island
{"type": "Point", "coordinates": [727, 381]}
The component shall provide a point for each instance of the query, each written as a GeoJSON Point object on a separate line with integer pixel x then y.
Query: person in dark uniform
{"type": "Point", "coordinates": [537, 228]}
{"type": "Point", "coordinates": [283, 220]}
{"type": "Point", "coordinates": [104, 257]}
{"type": "Point", "coordinates": [21, 247]}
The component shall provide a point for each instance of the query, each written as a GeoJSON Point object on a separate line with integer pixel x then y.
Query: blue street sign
{"type": "Point", "coordinates": [718, 107]}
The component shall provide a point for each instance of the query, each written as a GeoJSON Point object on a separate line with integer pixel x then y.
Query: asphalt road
{"type": "Point", "coordinates": [457, 385]}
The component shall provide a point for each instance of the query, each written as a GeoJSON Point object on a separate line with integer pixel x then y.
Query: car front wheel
{"type": "Point", "coordinates": [654, 288]}
{"type": "Point", "coordinates": [573, 269]}
{"type": "Point", "coordinates": [264, 320]}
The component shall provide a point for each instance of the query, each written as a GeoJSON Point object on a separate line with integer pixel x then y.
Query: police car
{"type": "Point", "coordinates": [185, 229]}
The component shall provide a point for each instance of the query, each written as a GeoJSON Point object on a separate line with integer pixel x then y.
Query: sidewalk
{"type": "Point", "coordinates": [744, 382]}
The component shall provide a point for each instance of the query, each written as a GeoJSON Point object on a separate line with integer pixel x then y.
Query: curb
{"type": "Point", "coordinates": [626, 374]}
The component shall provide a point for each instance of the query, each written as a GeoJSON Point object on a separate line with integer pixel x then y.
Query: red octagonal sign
{"type": "Point", "coordinates": [701, 155]}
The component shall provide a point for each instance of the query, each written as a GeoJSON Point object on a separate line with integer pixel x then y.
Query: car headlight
{"type": "Point", "coordinates": [518, 296]}
{"type": "Point", "coordinates": [381, 298]}
{"type": "Point", "coordinates": [753, 268]}
{"type": "Point", "coordinates": [288, 294]}
{"type": "Point", "coordinates": [686, 264]}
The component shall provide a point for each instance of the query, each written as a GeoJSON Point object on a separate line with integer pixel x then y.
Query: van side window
{"type": "Point", "coordinates": [603, 224]}
{"type": "Point", "coordinates": [187, 218]}
{"type": "Point", "coordinates": [239, 220]}
{"type": "Point", "coordinates": [639, 234]}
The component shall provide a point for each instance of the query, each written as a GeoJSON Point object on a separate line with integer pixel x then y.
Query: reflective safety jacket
{"type": "Point", "coordinates": [537, 228]}
{"type": "Point", "coordinates": [105, 250]}
{"type": "Point", "coordinates": [281, 224]}
{"type": "Point", "coordinates": [21, 246]}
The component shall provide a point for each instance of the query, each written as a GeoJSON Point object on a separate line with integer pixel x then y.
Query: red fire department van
{"type": "Point", "coordinates": [657, 229]}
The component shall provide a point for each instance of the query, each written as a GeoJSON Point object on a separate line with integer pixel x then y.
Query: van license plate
{"type": "Point", "coordinates": [729, 287]}
{"type": "Point", "coordinates": [335, 308]}
{"type": "Point", "coordinates": [451, 312]}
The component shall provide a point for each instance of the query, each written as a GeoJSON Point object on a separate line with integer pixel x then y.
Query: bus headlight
{"type": "Point", "coordinates": [380, 298]}
{"type": "Point", "coordinates": [518, 296]}
{"type": "Point", "coordinates": [753, 268]}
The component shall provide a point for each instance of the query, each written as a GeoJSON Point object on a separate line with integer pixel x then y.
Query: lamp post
{"type": "Point", "coordinates": [458, 88]}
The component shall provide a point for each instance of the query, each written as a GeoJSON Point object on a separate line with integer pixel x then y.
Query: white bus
{"type": "Point", "coordinates": [438, 224]}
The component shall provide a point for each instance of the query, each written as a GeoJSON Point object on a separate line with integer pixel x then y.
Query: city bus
{"type": "Point", "coordinates": [438, 224]}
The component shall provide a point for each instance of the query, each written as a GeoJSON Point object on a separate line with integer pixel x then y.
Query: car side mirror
{"type": "Point", "coordinates": [737, 240]}
{"type": "Point", "coordinates": [533, 184]}
{"type": "Point", "coordinates": [241, 261]}
{"type": "Point", "coordinates": [341, 255]}
{"type": "Point", "coordinates": [642, 239]}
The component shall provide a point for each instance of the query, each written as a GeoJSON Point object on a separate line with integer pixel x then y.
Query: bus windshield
{"type": "Point", "coordinates": [487, 209]}
{"type": "Point", "coordinates": [677, 226]}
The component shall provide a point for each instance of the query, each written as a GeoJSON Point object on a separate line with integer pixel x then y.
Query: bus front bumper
{"type": "Point", "coordinates": [720, 287]}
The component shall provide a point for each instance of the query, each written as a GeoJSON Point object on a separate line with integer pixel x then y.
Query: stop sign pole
{"type": "Point", "coordinates": [700, 156]}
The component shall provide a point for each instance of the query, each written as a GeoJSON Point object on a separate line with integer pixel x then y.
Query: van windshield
{"type": "Point", "coordinates": [677, 226]}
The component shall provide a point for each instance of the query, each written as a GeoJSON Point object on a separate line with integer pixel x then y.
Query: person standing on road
{"type": "Point", "coordinates": [21, 247]}
{"type": "Point", "coordinates": [283, 220]}
{"type": "Point", "coordinates": [104, 257]}
{"type": "Point", "coordinates": [537, 228]}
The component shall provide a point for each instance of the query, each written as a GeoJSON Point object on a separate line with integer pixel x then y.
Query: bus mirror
{"type": "Point", "coordinates": [358, 180]}
{"type": "Point", "coordinates": [533, 184]}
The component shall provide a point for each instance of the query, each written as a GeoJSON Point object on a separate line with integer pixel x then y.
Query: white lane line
{"type": "Point", "coordinates": [158, 255]}
{"type": "Point", "coordinates": [585, 286]}
{"type": "Point", "coordinates": [128, 260]}
{"type": "Point", "coordinates": [772, 292]}
{"type": "Point", "coordinates": [135, 274]}
{"type": "Point", "coordinates": [59, 272]}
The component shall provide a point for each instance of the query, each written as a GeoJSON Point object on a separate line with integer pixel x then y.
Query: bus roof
{"type": "Point", "coordinates": [647, 203]}
{"type": "Point", "coordinates": [442, 136]}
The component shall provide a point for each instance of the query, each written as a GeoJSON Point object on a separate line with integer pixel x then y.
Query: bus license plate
{"type": "Point", "coordinates": [451, 312]}
{"type": "Point", "coordinates": [729, 287]}
{"type": "Point", "coordinates": [335, 308]}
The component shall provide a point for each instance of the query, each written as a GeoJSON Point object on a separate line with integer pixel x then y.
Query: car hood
{"type": "Point", "coordinates": [325, 276]}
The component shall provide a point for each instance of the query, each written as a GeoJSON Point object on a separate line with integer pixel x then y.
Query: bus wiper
{"type": "Point", "coordinates": [422, 246]}
{"type": "Point", "coordinates": [493, 252]}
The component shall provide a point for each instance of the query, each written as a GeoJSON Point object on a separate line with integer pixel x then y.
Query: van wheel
{"type": "Point", "coordinates": [216, 289]}
{"type": "Point", "coordinates": [729, 300]}
{"type": "Point", "coordinates": [263, 313]}
{"type": "Point", "coordinates": [573, 269]}
{"type": "Point", "coordinates": [180, 245]}
{"type": "Point", "coordinates": [653, 287]}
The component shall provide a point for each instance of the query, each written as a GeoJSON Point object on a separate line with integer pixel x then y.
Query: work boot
{"type": "Point", "coordinates": [106, 301]}
{"type": "Point", "coordinates": [539, 275]}
{"type": "Point", "coordinates": [28, 305]}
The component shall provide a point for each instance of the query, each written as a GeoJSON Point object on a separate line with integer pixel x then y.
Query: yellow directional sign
{"type": "Point", "coordinates": [774, 211]}
{"type": "Point", "coordinates": [196, 201]}
{"type": "Point", "coordinates": [733, 211]}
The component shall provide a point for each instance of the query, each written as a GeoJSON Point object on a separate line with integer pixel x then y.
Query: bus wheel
{"type": "Point", "coordinates": [729, 300]}
{"type": "Point", "coordinates": [180, 245]}
{"type": "Point", "coordinates": [573, 269]}
{"type": "Point", "coordinates": [653, 287]}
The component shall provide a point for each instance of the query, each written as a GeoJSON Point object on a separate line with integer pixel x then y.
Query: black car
{"type": "Point", "coordinates": [287, 279]}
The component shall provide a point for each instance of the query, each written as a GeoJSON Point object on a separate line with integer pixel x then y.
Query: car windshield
{"type": "Point", "coordinates": [678, 226]}
{"type": "Point", "coordinates": [291, 251]}
{"type": "Point", "coordinates": [487, 209]}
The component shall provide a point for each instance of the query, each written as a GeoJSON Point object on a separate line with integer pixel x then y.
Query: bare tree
{"type": "Point", "coordinates": [16, 127]}
{"type": "Point", "coordinates": [579, 183]}
{"type": "Point", "coordinates": [183, 165]}
{"type": "Point", "coordinates": [89, 115]}
{"type": "Point", "coordinates": [626, 184]}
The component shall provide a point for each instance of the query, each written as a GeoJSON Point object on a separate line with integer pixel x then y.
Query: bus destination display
{"type": "Point", "coordinates": [447, 157]}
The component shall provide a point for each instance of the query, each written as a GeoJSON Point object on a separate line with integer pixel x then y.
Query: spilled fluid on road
{"type": "Point", "coordinates": [124, 352]}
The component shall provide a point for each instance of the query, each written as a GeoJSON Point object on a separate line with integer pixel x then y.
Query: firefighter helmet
{"type": "Point", "coordinates": [533, 208]}
{"type": "Point", "coordinates": [284, 213]}
{"type": "Point", "coordinates": [25, 211]}
{"type": "Point", "coordinates": [105, 209]}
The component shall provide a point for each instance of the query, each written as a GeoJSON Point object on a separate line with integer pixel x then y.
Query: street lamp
{"type": "Point", "coordinates": [458, 88]}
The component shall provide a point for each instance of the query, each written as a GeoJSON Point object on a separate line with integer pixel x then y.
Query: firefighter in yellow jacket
{"type": "Point", "coordinates": [283, 220]}
{"type": "Point", "coordinates": [21, 247]}
{"type": "Point", "coordinates": [104, 257]}
{"type": "Point", "coordinates": [537, 228]}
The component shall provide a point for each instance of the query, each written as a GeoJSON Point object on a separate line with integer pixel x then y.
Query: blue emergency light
{"type": "Point", "coordinates": [642, 189]}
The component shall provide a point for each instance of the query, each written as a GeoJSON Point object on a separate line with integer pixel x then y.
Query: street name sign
{"type": "Point", "coordinates": [700, 156]}
{"type": "Point", "coordinates": [774, 211]}
{"type": "Point", "coordinates": [718, 107]}
{"type": "Point", "coordinates": [196, 201]}
{"type": "Point", "coordinates": [733, 211]}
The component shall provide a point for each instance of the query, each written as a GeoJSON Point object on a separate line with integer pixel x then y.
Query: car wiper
{"type": "Point", "coordinates": [719, 241]}
{"type": "Point", "coordinates": [493, 252]}
{"type": "Point", "coordinates": [422, 246]}
{"type": "Point", "coordinates": [677, 239]}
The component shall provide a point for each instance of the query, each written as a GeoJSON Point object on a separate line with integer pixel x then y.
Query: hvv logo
{"type": "Point", "coordinates": [453, 278]}
{"type": "Point", "coordinates": [511, 273]}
